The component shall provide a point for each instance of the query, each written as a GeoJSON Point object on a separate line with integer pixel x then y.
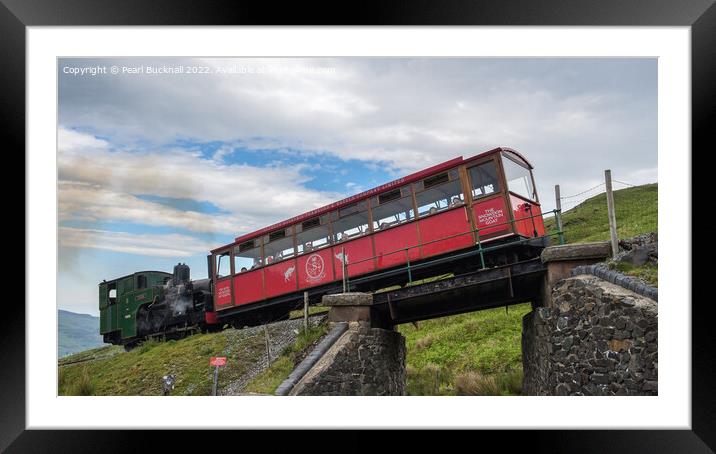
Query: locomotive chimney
{"type": "Point", "coordinates": [181, 274]}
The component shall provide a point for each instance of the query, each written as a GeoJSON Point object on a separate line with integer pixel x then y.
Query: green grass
{"type": "Point", "coordinates": [636, 213]}
{"type": "Point", "coordinates": [271, 378]}
{"type": "Point", "coordinates": [480, 353]}
{"type": "Point", "coordinates": [500, 384]}
{"type": "Point", "coordinates": [140, 371]}
{"type": "Point", "coordinates": [472, 354]}
{"type": "Point", "coordinates": [278, 371]}
{"type": "Point", "coordinates": [443, 349]}
{"type": "Point", "coordinates": [96, 353]}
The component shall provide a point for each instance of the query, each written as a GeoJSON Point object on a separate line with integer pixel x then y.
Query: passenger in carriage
{"type": "Point", "coordinates": [455, 201]}
{"type": "Point", "coordinates": [308, 247]}
{"type": "Point", "coordinates": [243, 269]}
{"type": "Point", "coordinates": [433, 210]}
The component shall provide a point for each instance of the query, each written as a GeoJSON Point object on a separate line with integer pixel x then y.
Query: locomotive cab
{"type": "Point", "coordinates": [120, 300]}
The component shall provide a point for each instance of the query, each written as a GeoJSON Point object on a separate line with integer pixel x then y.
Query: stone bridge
{"type": "Point", "coordinates": [584, 336]}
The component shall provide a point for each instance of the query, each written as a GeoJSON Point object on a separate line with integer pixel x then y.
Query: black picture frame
{"type": "Point", "coordinates": [16, 15]}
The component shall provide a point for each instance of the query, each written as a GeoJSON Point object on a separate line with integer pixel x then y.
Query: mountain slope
{"type": "Point", "coordinates": [77, 332]}
{"type": "Point", "coordinates": [110, 371]}
{"type": "Point", "coordinates": [636, 213]}
{"type": "Point", "coordinates": [475, 353]}
{"type": "Point", "coordinates": [444, 351]}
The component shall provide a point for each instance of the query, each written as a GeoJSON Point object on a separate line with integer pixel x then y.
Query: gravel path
{"type": "Point", "coordinates": [281, 335]}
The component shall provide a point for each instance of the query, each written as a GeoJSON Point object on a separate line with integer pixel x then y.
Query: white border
{"type": "Point", "coordinates": [671, 409]}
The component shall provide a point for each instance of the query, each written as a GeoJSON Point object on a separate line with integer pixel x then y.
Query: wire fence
{"type": "Point", "coordinates": [571, 201]}
{"type": "Point", "coordinates": [586, 215]}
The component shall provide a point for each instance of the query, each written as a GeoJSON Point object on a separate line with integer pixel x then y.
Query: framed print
{"type": "Point", "coordinates": [402, 218]}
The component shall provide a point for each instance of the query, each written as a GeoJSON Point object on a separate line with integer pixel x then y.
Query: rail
{"type": "Point", "coordinates": [559, 233]}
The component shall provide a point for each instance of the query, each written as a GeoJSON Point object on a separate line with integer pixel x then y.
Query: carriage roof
{"type": "Point", "coordinates": [372, 192]}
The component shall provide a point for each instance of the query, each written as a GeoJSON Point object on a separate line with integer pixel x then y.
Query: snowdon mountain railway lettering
{"type": "Point", "coordinates": [430, 220]}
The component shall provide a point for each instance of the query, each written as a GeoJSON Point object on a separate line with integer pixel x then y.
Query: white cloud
{"type": "Point", "coordinates": [74, 141]}
{"type": "Point", "coordinates": [91, 202]}
{"type": "Point", "coordinates": [408, 113]}
{"type": "Point", "coordinates": [572, 118]}
{"type": "Point", "coordinates": [155, 245]}
{"type": "Point", "coordinates": [98, 184]}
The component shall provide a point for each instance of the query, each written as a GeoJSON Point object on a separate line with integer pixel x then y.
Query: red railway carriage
{"type": "Point", "coordinates": [432, 217]}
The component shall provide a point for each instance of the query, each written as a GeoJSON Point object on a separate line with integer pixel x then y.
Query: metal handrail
{"type": "Point", "coordinates": [480, 249]}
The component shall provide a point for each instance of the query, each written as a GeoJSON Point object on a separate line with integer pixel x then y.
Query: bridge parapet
{"type": "Point", "coordinates": [561, 259]}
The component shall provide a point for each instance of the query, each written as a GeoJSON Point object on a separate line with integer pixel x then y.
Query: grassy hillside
{"type": "Point", "coordinates": [273, 376]}
{"type": "Point", "coordinates": [480, 353]}
{"type": "Point", "coordinates": [77, 332]}
{"type": "Point", "coordinates": [636, 213]}
{"type": "Point", "coordinates": [472, 354]}
{"type": "Point", "coordinates": [111, 371]}
{"type": "Point", "coordinates": [446, 354]}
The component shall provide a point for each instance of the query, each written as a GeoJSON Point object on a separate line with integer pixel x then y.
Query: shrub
{"type": "Point", "coordinates": [147, 345]}
{"type": "Point", "coordinates": [84, 386]}
{"type": "Point", "coordinates": [424, 381]}
{"type": "Point", "coordinates": [61, 380]}
{"type": "Point", "coordinates": [511, 382]}
{"type": "Point", "coordinates": [424, 342]}
{"type": "Point", "coordinates": [476, 384]}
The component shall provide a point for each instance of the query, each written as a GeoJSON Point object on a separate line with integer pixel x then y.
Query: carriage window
{"type": "Point", "coordinates": [313, 236]}
{"type": "Point", "coordinates": [112, 292]}
{"type": "Point", "coordinates": [141, 281]}
{"type": "Point", "coordinates": [393, 213]}
{"type": "Point", "coordinates": [247, 256]}
{"type": "Point", "coordinates": [223, 265]}
{"type": "Point", "coordinates": [440, 197]}
{"type": "Point", "coordinates": [484, 179]}
{"type": "Point", "coordinates": [278, 246]}
{"type": "Point", "coordinates": [350, 226]}
{"type": "Point", "coordinates": [436, 180]}
{"type": "Point", "coordinates": [518, 179]}
{"type": "Point", "coordinates": [389, 196]}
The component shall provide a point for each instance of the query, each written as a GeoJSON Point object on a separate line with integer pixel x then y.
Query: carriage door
{"type": "Point", "coordinates": [488, 203]}
{"type": "Point", "coordinates": [222, 273]}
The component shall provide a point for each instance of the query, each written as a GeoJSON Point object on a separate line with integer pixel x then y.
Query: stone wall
{"type": "Point", "coordinates": [596, 338]}
{"type": "Point", "coordinates": [364, 361]}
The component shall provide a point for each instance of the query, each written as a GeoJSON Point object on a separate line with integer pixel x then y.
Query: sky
{"type": "Point", "coordinates": [158, 167]}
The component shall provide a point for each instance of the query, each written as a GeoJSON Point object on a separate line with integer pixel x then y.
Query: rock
{"type": "Point", "coordinates": [639, 255]}
{"type": "Point", "coordinates": [600, 340]}
{"type": "Point", "coordinates": [599, 378]}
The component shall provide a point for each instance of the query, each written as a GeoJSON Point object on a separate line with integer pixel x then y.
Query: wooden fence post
{"type": "Point", "coordinates": [558, 201]}
{"type": "Point", "coordinates": [612, 213]}
{"type": "Point", "coordinates": [305, 312]}
{"type": "Point", "coordinates": [268, 344]}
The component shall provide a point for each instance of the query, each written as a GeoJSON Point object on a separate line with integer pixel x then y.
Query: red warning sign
{"type": "Point", "coordinates": [218, 361]}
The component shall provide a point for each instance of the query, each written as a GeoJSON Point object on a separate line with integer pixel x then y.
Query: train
{"type": "Point", "coordinates": [454, 217]}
